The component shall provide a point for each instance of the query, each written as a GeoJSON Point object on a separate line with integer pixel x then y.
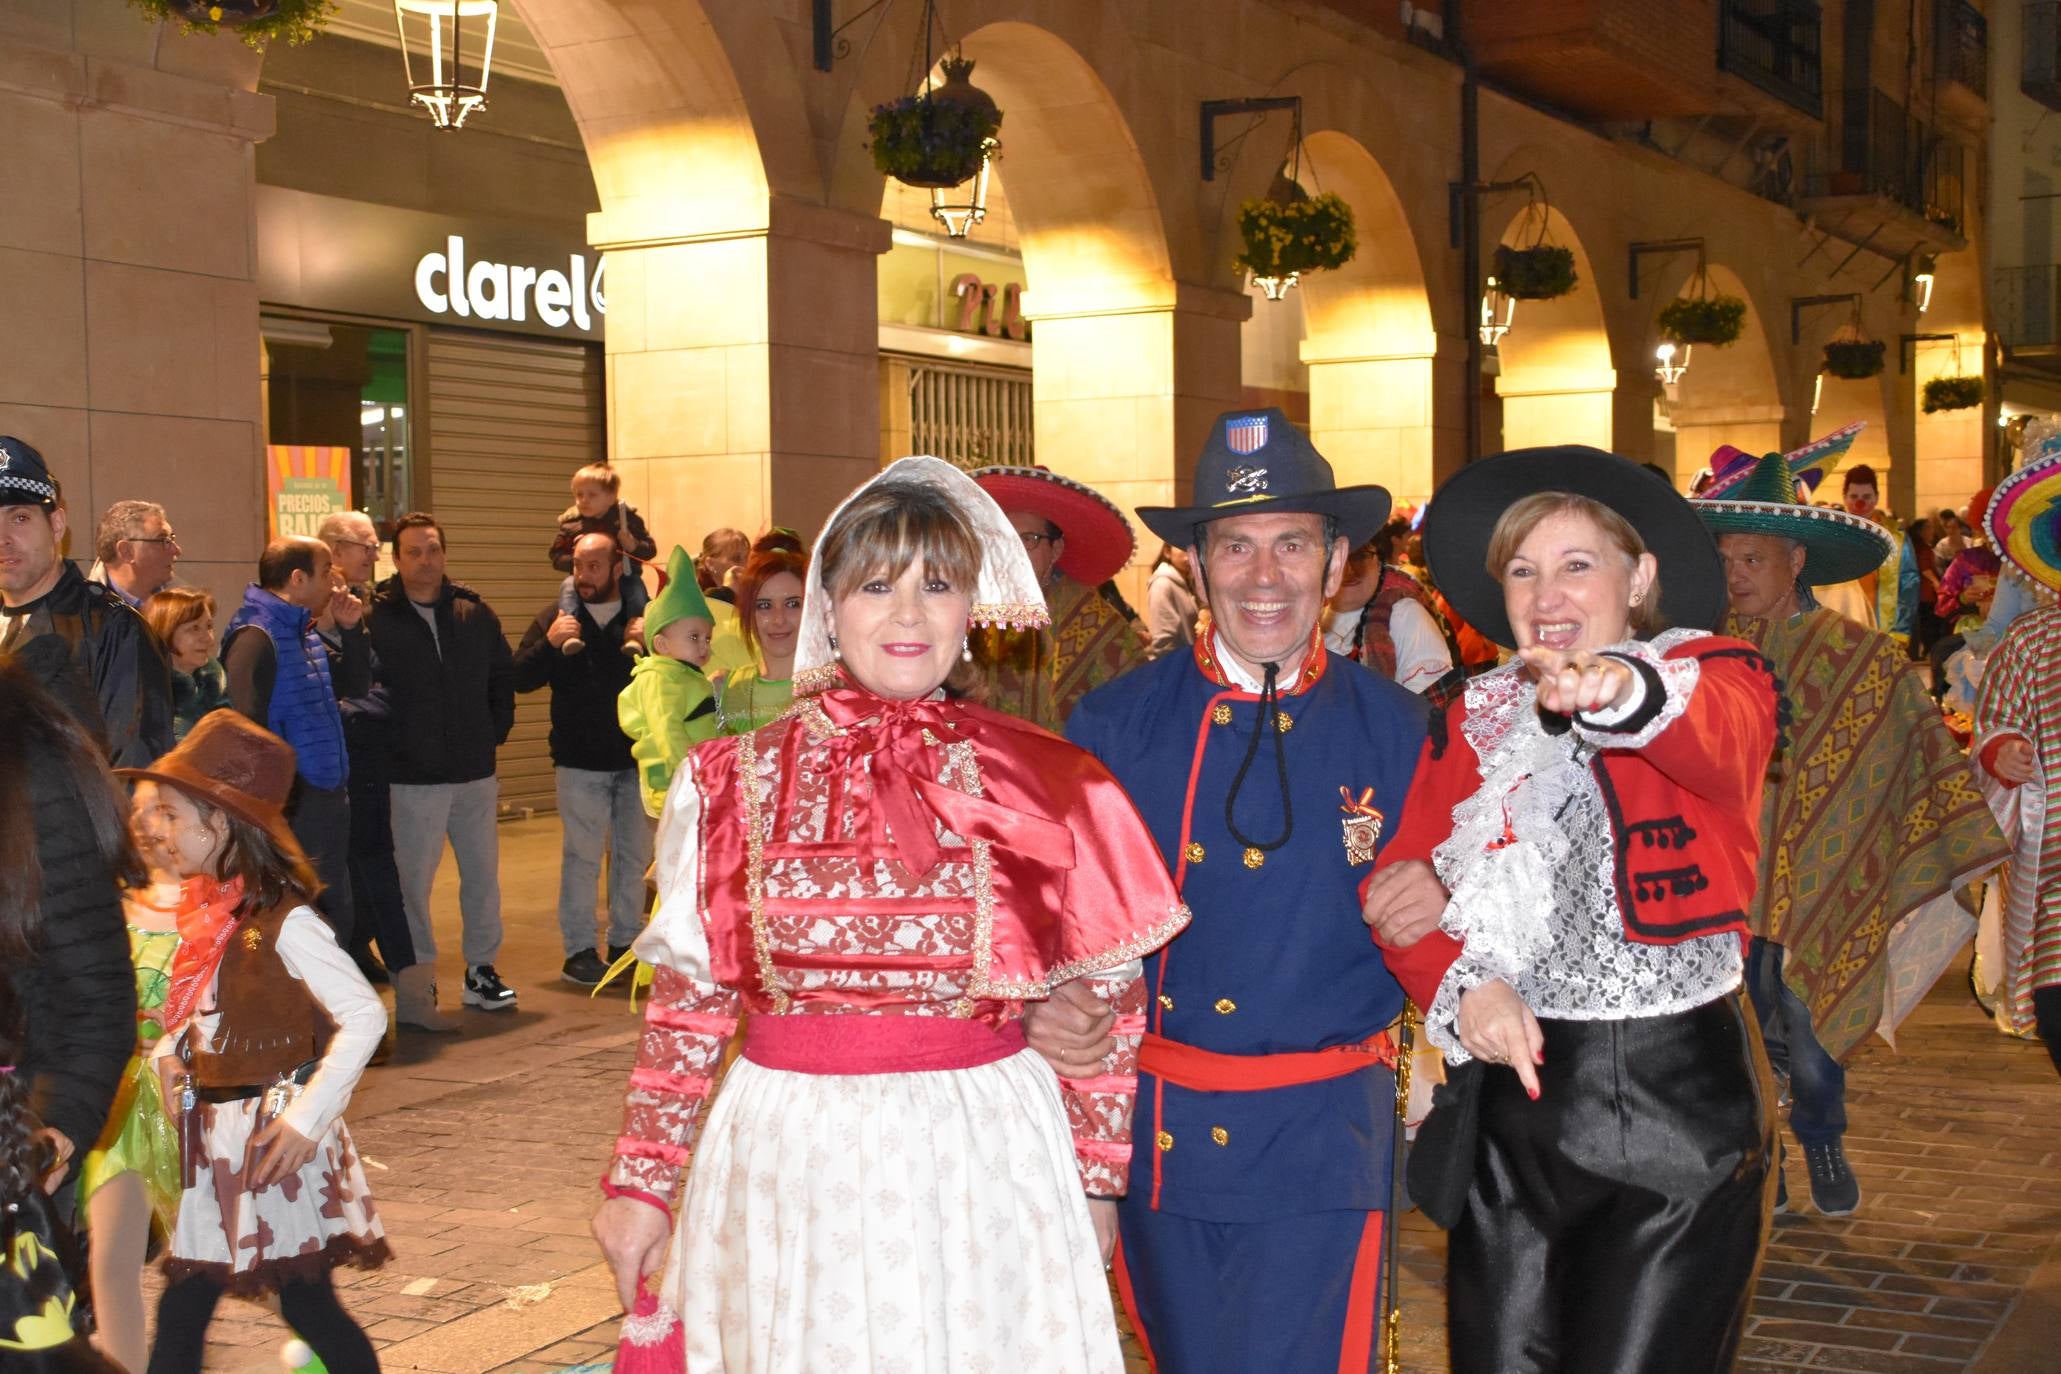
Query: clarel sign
{"type": "Point", "coordinates": [326, 253]}
{"type": "Point", "coordinates": [449, 281]}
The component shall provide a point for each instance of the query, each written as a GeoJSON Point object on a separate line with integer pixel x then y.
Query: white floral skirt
{"type": "Point", "coordinates": [314, 1220]}
{"type": "Point", "coordinates": [909, 1222]}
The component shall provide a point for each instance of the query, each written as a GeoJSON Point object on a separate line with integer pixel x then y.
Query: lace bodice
{"type": "Point", "coordinates": [1530, 868]}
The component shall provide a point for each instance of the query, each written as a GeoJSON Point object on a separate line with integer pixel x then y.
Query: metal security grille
{"type": "Point", "coordinates": [509, 420]}
{"type": "Point", "coordinates": [971, 416]}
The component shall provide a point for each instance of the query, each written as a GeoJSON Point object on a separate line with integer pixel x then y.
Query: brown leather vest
{"type": "Point", "coordinates": [269, 1023]}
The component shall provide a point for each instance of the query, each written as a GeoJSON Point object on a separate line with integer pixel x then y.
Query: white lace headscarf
{"type": "Point", "coordinates": [1006, 593]}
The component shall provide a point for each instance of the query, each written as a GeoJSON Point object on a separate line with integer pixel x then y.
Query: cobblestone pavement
{"type": "Point", "coordinates": [482, 1150]}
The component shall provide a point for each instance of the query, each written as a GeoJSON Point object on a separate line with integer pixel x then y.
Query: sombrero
{"type": "Point", "coordinates": [1730, 466]}
{"type": "Point", "coordinates": [1257, 462]}
{"type": "Point", "coordinates": [2023, 521]}
{"type": "Point", "coordinates": [232, 764]}
{"type": "Point", "coordinates": [1463, 515]}
{"type": "Point", "coordinates": [1098, 538]}
{"type": "Point", "coordinates": [1838, 546]}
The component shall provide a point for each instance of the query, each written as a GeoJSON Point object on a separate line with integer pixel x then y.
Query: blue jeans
{"type": "Point", "coordinates": [601, 812]}
{"type": "Point", "coordinates": [1817, 1085]}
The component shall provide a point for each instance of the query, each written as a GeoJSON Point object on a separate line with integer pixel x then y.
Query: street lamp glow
{"type": "Point", "coordinates": [440, 35]}
{"type": "Point", "coordinates": [1498, 312]}
{"type": "Point", "coordinates": [1921, 283]}
{"type": "Point", "coordinates": [1666, 368]}
{"type": "Point", "coordinates": [960, 217]}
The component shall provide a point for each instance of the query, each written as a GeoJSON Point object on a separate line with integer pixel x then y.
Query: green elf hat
{"type": "Point", "coordinates": [1838, 546]}
{"type": "Point", "coordinates": [680, 600]}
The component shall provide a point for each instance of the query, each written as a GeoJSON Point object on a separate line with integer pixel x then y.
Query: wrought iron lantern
{"type": "Point", "coordinates": [1498, 312]}
{"type": "Point", "coordinates": [1921, 282]}
{"type": "Point", "coordinates": [1671, 360]}
{"type": "Point", "coordinates": [445, 33]}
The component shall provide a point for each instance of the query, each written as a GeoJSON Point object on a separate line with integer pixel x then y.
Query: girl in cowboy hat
{"type": "Point", "coordinates": [268, 1026]}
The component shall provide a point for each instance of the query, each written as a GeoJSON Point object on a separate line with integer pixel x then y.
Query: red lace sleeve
{"type": "Point", "coordinates": [687, 1025]}
{"type": "Point", "coordinates": [1098, 1108]}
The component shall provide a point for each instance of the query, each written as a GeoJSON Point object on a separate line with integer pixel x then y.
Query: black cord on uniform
{"type": "Point", "coordinates": [1270, 720]}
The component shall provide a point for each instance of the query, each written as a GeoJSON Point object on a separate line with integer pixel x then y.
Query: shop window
{"type": "Point", "coordinates": [332, 386]}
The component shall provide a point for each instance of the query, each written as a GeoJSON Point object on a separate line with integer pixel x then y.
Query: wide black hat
{"type": "Point", "coordinates": [25, 479]}
{"type": "Point", "coordinates": [1256, 462]}
{"type": "Point", "coordinates": [1464, 512]}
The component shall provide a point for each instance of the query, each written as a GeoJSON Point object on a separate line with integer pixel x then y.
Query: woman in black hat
{"type": "Point", "coordinates": [1585, 827]}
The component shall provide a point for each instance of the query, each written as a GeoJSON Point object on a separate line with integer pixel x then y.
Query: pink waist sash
{"type": "Point", "coordinates": [803, 1043]}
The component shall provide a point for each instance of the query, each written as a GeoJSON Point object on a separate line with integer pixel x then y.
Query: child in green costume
{"type": "Point", "coordinates": [669, 707]}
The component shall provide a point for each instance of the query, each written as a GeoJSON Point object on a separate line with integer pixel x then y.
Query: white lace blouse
{"type": "Point", "coordinates": [1529, 866]}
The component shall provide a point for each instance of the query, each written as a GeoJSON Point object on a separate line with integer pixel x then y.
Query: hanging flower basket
{"type": "Point", "coordinates": [1284, 239]}
{"type": "Point", "coordinates": [936, 139]}
{"type": "Point", "coordinates": [1854, 359]}
{"type": "Point", "coordinates": [257, 22]}
{"type": "Point", "coordinates": [1712, 320]}
{"type": "Point", "coordinates": [1543, 272]}
{"type": "Point", "coordinates": [1952, 393]}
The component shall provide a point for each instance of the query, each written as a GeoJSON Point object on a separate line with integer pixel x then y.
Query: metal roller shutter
{"type": "Point", "coordinates": [509, 420]}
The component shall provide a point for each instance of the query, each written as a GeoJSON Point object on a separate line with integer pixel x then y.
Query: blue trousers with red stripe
{"type": "Point", "coordinates": [1298, 1295]}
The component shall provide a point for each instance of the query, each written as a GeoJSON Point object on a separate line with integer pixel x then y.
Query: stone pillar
{"type": "Point", "coordinates": [743, 366]}
{"type": "Point", "coordinates": [1700, 429]}
{"type": "Point", "coordinates": [1557, 406]}
{"type": "Point", "coordinates": [1373, 416]}
{"type": "Point", "coordinates": [128, 261]}
{"type": "Point", "coordinates": [1124, 397]}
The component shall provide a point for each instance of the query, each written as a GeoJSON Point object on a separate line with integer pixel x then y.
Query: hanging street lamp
{"type": "Point", "coordinates": [959, 208]}
{"type": "Point", "coordinates": [1921, 282]}
{"type": "Point", "coordinates": [1498, 312]}
{"type": "Point", "coordinates": [446, 32]}
{"type": "Point", "coordinates": [1667, 369]}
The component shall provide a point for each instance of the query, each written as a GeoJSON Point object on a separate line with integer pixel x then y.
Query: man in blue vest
{"type": "Point", "coordinates": [1268, 770]}
{"type": "Point", "coordinates": [280, 676]}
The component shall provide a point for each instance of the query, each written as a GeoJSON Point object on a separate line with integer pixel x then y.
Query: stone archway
{"type": "Point", "coordinates": [1370, 342]}
{"type": "Point", "coordinates": [1557, 384]}
{"type": "Point", "coordinates": [1952, 447]}
{"type": "Point", "coordinates": [1730, 395]}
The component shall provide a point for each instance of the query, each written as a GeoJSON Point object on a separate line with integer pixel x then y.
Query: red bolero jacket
{"type": "Point", "coordinates": [1684, 809]}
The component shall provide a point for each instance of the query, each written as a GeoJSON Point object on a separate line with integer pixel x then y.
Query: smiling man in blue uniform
{"type": "Point", "coordinates": [1268, 770]}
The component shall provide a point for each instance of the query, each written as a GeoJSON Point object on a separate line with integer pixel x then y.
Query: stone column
{"type": "Point", "coordinates": [128, 261]}
{"type": "Point", "coordinates": [1124, 397]}
{"type": "Point", "coordinates": [1373, 415]}
{"type": "Point", "coordinates": [1700, 429]}
{"type": "Point", "coordinates": [743, 366]}
{"type": "Point", "coordinates": [1557, 406]}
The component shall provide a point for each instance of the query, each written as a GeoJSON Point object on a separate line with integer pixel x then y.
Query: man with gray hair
{"type": "Point", "coordinates": [135, 550]}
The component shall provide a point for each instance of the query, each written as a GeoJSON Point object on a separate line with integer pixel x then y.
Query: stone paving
{"type": "Point", "coordinates": [482, 1150]}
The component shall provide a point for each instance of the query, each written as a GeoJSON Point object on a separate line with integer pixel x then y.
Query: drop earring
{"type": "Point", "coordinates": [966, 651]}
{"type": "Point", "coordinates": [835, 652]}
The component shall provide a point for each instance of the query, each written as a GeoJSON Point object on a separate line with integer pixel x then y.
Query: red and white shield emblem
{"type": "Point", "coordinates": [1247, 435]}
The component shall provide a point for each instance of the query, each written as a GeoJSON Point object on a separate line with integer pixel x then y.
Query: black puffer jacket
{"type": "Point", "coordinates": [453, 691]}
{"type": "Point", "coordinates": [114, 674]}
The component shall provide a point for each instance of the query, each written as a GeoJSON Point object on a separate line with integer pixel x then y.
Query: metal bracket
{"type": "Point", "coordinates": [1458, 193]}
{"type": "Point", "coordinates": [1799, 304]}
{"type": "Point", "coordinates": [1907, 347]}
{"type": "Point", "coordinates": [1659, 248]}
{"type": "Point", "coordinates": [1213, 110]}
{"type": "Point", "coordinates": [829, 42]}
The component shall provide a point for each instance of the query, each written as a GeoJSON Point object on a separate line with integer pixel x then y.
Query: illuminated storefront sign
{"type": "Point", "coordinates": [488, 290]}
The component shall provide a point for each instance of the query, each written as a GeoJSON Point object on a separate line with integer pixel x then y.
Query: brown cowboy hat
{"type": "Point", "coordinates": [231, 764]}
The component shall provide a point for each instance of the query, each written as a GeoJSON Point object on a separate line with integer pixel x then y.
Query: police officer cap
{"type": "Point", "coordinates": [24, 478]}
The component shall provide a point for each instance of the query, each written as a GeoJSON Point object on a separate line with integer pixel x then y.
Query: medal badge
{"type": "Point", "coordinates": [1362, 825]}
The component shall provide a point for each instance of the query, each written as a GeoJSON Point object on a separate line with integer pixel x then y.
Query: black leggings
{"type": "Point", "coordinates": [309, 1307]}
{"type": "Point", "coordinates": [2046, 1014]}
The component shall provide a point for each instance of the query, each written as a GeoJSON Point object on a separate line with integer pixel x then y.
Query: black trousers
{"type": "Point", "coordinates": [321, 820]}
{"type": "Point", "coordinates": [1616, 1224]}
{"type": "Point", "coordinates": [375, 881]}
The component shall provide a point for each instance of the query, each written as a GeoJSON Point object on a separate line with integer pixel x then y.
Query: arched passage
{"type": "Point", "coordinates": [1370, 341]}
{"type": "Point", "coordinates": [1729, 395]}
{"type": "Point", "coordinates": [1557, 379]}
{"type": "Point", "coordinates": [1951, 445]}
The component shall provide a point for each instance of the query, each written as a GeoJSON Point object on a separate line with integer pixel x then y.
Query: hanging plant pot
{"type": "Point", "coordinates": [1854, 359]}
{"type": "Point", "coordinates": [935, 140]}
{"type": "Point", "coordinates": [1541, 273]}
{"type": "Point", "coordinates": [1952, 393]}
{"type": "Point", "coordinates": [256, 22]}
{"type": "Point", "coordinates": [1713, 320]}
{"type": "Point", "coordinates": [1283, 239]}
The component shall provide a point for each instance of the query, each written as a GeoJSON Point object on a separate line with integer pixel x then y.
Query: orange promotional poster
{"type": "Point", "coordinates": [304, 484]}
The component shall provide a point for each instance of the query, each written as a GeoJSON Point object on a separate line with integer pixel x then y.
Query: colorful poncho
{"type": "Point", "coordinates": [1038, 674]}
{"type": "Point", "coordinates": [1871, 814]}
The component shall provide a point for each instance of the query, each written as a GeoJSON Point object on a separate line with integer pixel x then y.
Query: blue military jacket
{"type": "Point", "coordinates": [1277, 959]}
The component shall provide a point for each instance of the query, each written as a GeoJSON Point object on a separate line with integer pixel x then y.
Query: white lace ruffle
{"type": "Point", "coordinates": [1532, 874]}
{"type": "Point", "coordinates": [1678, 678]}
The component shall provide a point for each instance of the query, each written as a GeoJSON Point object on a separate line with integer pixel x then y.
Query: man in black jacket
{"type": "Point", "coordinates": [450, 673]}
{"type": "Point", "coordinates": [113, 676]}
{"type": "Point", "coordinates": [599, 807]}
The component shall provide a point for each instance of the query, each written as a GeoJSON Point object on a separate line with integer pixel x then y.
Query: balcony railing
{"type": "Point", "coordinates": [2026, 304]}
{"type": "Point", "coordinates": [2040, 76]}
{"type": "Point", "coordinates": [1963, 46]}
{"type": "Point", "coordinates": [1774, 45]}
{"type": "Point", "coordinates": [1884, 150]}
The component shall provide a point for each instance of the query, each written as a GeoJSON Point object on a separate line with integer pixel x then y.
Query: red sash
{"type": "Point", "coordinates": [857, 1044]}
{"type": "Point", "coordinates": [1186, 1066]}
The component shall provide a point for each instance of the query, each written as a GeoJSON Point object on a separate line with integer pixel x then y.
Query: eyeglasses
{"type": "Point", "coordinates": [166, 538]}
{"type": "Point", "coordinates": [1032, 538]}
{"type": "Point", "coordinates": [355, 544]}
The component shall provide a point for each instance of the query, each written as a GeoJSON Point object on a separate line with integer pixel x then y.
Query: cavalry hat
{"type": "Point", "coordinates": [25, 479]}
{"type": "Point", "coordinates": [1463, 515]}
{"type": "Point", "coordinates": [233, 764]}
{"type": "Point", "coordinates": [2023, 521]}
{"type": "Point", "coordinates": [1098, 538]}
{"type": "Point", "coordinates": [1257, 462]}
{"type": "Point", "coordinates": [1838, 546]}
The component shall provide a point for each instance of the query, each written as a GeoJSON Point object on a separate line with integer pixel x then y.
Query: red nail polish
{"type": "Point", "coordinates": [1538, 1057]}
{"type": "Point", "coordinates": [1534, 1093]}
